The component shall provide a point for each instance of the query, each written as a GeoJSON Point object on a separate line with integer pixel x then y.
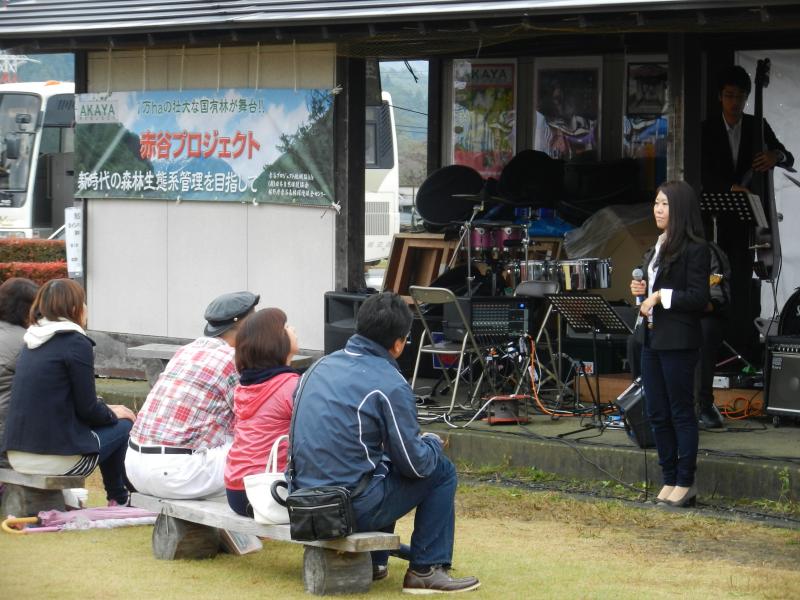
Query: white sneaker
{"type": "Point", "coordinates": [75, 497]}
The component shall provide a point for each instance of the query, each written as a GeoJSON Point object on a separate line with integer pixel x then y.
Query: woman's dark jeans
{"type": "Point", "coordinates": [113, 445]}
{"type": "Point", "coordinates": [237, 500]}
{"type": "Point", "coordinates": [668, 378]}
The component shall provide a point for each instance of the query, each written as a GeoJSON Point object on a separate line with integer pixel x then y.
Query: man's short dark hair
{"type": "Point", "coordinates": [384, 318]}
{"type": "Point", "coordinates": [733, 75]}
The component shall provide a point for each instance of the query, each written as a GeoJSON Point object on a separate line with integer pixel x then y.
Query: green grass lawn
{"type": "Point", "coordinates": [520, 544]}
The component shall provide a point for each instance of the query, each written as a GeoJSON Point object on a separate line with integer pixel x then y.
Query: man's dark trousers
{"type": "Point", "coordinates": [394, 496]}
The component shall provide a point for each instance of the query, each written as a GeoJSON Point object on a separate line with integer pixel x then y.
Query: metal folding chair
{"type": "Point", "coordinates": [468, 347]}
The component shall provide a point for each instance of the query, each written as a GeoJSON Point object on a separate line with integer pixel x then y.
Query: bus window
{"type": "Point", "coordinates": [18, 114]}
{"type": "Point", "coordinates": [370, 148]}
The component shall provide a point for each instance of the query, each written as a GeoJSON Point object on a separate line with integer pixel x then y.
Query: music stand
{"type": "Point", "coordinates": [743, 206]}
{"type": "Point", "coordinates": [585, 313]}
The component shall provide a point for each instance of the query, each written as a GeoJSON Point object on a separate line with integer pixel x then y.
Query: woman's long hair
{"type": "Point", "coordinates": [685, 223]}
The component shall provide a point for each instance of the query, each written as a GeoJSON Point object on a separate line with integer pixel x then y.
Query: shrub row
{"type": "Point", "coordinates": [22, 250]}
{"type": "Point", "coordinates": [39, 272]}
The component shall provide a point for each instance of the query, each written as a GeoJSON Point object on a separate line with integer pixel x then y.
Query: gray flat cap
{"type": "Point", "coordinates": [224, 311]}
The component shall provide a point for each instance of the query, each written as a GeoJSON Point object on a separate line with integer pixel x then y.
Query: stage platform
{"type": "Point", "coordinates": [748, 459]}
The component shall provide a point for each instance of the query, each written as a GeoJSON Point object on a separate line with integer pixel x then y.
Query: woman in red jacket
{"type": "Point", "coordinates": [262, 401]}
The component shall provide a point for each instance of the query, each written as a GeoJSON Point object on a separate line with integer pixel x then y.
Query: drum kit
{"type": "Point", "coordinates": [499, 251]}
{"type": "Point", "coordinates": [495, 255]}
{"type": "Point", "coordinates": [505, 248]}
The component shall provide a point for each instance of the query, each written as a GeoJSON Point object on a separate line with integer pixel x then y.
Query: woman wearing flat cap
{"type": "Point", "coordinates": [182, 434]}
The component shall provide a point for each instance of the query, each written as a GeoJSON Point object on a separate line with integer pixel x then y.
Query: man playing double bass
{"type": "Point", "coordinates": [729, 162]}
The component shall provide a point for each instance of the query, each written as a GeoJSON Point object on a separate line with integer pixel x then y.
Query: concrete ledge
{"type": "Point", "coordinates": [730, 477]}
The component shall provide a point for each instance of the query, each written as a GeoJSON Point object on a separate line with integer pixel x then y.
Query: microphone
{"type": "Point", "coordinates": [638, 275]}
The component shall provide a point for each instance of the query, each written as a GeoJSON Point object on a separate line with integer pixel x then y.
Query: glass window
{"type": "Point", "coordinates": [18, 114]}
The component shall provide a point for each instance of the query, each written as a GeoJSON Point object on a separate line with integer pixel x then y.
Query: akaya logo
{"type": "Point", "coordinates": [491, 75]}
{"type": "Point", "coordinates": [96, 110]}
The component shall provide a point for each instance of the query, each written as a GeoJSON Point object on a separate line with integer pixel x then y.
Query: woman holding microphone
{"type": "Point", "coordinates": [675, 292]}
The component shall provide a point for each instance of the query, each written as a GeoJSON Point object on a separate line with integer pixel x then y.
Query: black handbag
{"type": "Point", "coordinates": [319, 513]}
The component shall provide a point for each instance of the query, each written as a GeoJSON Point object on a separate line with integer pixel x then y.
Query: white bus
{"type": "Point", "coordinates": [381, 181]}
{"type": "Point", "coordinates": [36, 157]}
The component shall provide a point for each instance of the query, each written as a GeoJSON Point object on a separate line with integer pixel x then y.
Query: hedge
{"type": "Point", "coordinates": [39, 272]}
{"type": "Point", "coordinates": [22, 250]}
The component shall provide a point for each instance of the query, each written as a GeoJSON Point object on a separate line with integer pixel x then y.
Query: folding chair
{"type": "Point", "coordinates": [468, 347]}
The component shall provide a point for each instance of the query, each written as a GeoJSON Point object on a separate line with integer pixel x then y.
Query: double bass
{"type": "Point", "coordinates": [767, 243]}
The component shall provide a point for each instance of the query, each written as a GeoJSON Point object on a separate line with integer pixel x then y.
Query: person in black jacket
{"type": "Point", "coordinates": [676, 287]}
{"type": "Point", "coordinates": [712, 323]}
{"type": "Point", "coordinates": [728, 162]}
{"type": "Point", "coordinates": [56, 424]}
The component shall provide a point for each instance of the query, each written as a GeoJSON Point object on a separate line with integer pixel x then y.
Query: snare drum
{"type": "Point", "coordinates": [480, 240]}
{"type": "Point", "coordinates": [513, 234]}
{"type": "Point", "coordinates": [583, 274]}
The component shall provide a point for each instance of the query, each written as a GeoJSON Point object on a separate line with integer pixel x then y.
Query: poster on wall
{"type": "Point", "coordinates": [567, 107]}
{"type": "Point", "coordinates": [645, 124]}
{"type": "Point", "coordinates": [484, 114]}
{"type": "Point", "coordinates": [235, 145]}
{"type": "Point", "coordinates": [647, 88]}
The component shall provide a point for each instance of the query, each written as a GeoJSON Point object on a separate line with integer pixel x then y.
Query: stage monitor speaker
{"type": "Point", "coordinates": [782, 389]}
{"type": "Point", "coordinates": [341, 309]}
{"type": "Point", "coordinates": [631, 405]}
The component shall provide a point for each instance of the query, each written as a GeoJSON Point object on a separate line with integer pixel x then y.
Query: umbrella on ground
{"type": "Point", "coordinates": [105, 517]}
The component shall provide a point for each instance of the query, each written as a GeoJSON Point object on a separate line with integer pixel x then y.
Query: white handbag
{"type": "Point", "coordinates": [266, 509]}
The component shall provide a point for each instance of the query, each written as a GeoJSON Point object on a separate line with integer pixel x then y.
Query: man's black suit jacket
{"type": "Point", "coordinates": [688, 277]}
{"type": "Point", "coordinates": [718, 173]}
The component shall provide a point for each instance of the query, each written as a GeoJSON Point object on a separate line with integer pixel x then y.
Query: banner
{"type": "Point", "coordinates": [235, 145]}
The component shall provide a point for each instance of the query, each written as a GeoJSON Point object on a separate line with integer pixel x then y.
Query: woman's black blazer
{"type": "Point", "coordinates": [679, 327]}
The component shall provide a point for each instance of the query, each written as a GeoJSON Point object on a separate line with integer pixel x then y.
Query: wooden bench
{"type": "Point", "coordinates": [191, 529]}
{"type": "Point", "coordinates": [27, 495]}
{"type": "Point", "coordinates": [162, 353]}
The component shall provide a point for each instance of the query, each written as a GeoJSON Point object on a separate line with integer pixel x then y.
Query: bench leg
{"type": "Point", "coordinates": [331, 572]}
{"type": "Point", "coordinates": [175, 539]}
{"type": "Point", "coordinates": [22, 501]}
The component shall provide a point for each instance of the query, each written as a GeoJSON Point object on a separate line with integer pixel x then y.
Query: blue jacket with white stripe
{"type": "Point", "coordinates": [354, 412]}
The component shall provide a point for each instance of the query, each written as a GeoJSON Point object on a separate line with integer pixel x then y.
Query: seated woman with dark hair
{"type": "Point", "coordinates": [262, 401]}
{"type": "Point", "coordinates": [56, 423]}
{"type": "Point", "coordinates": [16, 297]}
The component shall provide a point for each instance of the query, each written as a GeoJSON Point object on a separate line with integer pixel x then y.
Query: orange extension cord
{"type": "Point", "coordinates": [535, 392]}
{"type": "Point", "coordinates": [744, 408]}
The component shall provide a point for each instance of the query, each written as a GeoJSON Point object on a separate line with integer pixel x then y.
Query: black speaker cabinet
{"type": "Point", "coordinates": [631, 405]}
{"type": "Point", "coordinates": [783, 376]}
{"type": "Point", "coordinates": [341, 309]}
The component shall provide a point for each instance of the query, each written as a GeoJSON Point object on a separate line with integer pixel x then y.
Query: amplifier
{"type": "Point", "coordinates": [490, 317]}
{"type": "Point", "coordinates": [782, 371]}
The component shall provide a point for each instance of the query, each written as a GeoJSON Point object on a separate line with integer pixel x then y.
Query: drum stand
{"type": "Point", "coordinates": [466, 228]}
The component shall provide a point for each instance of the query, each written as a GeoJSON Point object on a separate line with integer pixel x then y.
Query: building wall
{"type": "Point", "coordinates": [153, 266]}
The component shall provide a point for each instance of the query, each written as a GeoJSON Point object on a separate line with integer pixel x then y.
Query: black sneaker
{"type": "Point", "coordinates": [710, 417]}
{"type": "Point", "coordinates": [437, 581]}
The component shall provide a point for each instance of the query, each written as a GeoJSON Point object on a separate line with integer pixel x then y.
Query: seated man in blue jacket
{"type": "Point", "coordinates": [355, 418]}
